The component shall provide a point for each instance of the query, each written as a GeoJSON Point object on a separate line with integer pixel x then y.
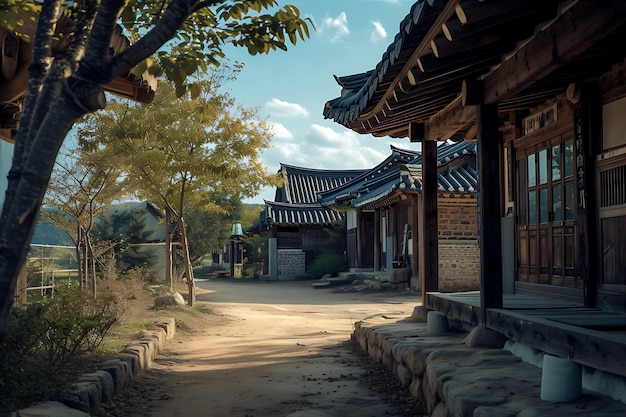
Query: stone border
{"type": "Point", "coordinates": [116, 374]}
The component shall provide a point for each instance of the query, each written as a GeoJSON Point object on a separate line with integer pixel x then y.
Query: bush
{"type": "Point", "coordinates": [256, 255]}
{"type": "Point", "coordinates": [326, 263]}
{"type": "Point", "coordinates": [43, 339]}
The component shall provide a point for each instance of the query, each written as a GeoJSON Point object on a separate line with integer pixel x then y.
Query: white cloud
{"type": "Point", "coordinates": [280, 108]}
{"type": "Point", "coordinates": [280, 131]}
{"type": "Point", "coordinates": [329, 149]}
{"type": "Point", "coordinates": [335, 28]}
{"type": "Point", "coordinates": [379, 33]}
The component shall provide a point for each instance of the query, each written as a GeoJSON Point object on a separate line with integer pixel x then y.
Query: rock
{"type": "Point", "coordinates": [481, 337]}
{"type": "Point", "coordinates": [174, 299]}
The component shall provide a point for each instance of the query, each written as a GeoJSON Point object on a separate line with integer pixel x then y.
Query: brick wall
{"type": "Point", "coordinates": [459, 256]}
{"type": "Point", "coordinates": [458, 265]}
{"type": "Point", "coordinates": [458, 218]}
{"type": "Point", "coordinates": [290, 263]}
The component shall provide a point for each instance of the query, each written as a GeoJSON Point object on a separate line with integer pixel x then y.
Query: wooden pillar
{"type": "Point", "coordinates": [489, 209]}
{"type": "Point", "coordinates": [377, 239]}
{"type": "Point", "coordinates": [359, 236]}
{"type": "Point", "coordinates": [587, 126]}
{"type": "Point", "coordinates": [415, 284]}
{"type": "Point", "coordinates": [429, 232]}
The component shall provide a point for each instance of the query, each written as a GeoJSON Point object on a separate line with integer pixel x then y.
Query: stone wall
{"type": "Point", "coordinates": [459, 265]}
{"type": "Point", "coordinates": [291, 263]}
{"type": "Point", "coordinates": [458, 219]}
{"type": "Point", "coordinates": [456, 374]}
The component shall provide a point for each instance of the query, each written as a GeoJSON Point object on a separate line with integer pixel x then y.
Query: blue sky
{"type": "Point", "coordinates": [291, 87]}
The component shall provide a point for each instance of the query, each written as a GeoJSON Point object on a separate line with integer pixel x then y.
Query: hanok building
{"type": "Point", "coordinates": [297, 223]}
{"type": "Point", "coordinates": [382, 216]}
{"type": "Point", "coordinates": [540, 85]}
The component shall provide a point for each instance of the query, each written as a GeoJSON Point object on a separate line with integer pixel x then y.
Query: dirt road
{"type": "Point", "coordinates": [273, 349]}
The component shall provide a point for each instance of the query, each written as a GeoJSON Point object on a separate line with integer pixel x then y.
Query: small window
{"type": "Point", "coordinates": [532, 207]}
{"type": "Point", "coordinates": [532, 175]}
{"type": "Point", "coordinates": [569, 158]}
{"type": "Point", "coordinates": [543, 167]}
{"type": "Point", "coordinates": [556, 162]}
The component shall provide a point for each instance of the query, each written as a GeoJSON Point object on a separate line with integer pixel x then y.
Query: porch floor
{"type": "Point", "coordinates": [592, 337]}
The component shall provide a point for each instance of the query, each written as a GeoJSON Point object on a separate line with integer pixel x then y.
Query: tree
{"type": "Point", "coordinates": [81, 186]}
{"type": "Point", "coordinates": [184, 153]}
{"type": "Point", "coordinates": [209, 231]}
{"type": "Point", "coordinates": [63, 89]}
{"type": "Point", "coordinates": [125, 229]}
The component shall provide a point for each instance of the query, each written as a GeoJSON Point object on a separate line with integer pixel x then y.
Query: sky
{"type": "Point", "coordinates": [291, 87]}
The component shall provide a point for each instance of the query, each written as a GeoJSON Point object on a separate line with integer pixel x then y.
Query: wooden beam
{"type": "Point", "coordinates": [470, 135]}
{"type": "Point", "coordinates": [599, 350]}
{"type": "Point", "coordinates": [449, 120]}
{"type": "Point", "coordinates": [429, 233]}
{"type": "Point", "coordinates": [471, 92]}
{"type": "Point", "coordinates": [570, 35]}
{"type": "Point", "coordinates": [489, 209]}
{"type": "Point", "coordinates": [424, 46]}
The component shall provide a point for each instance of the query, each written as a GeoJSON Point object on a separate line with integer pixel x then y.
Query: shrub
{"type": "Point", "coordinates": [326, 263]}
{"type": "Point", "coordinates": [45, 337]}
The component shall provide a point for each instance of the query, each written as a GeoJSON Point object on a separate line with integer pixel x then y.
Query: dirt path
{"type": "Point", "coordinates": [273, 349]}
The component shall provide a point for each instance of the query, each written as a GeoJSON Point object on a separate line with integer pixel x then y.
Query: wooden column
{"type": "Point", "coordinates": [587, 126]}
{"type": "Point", "coordinates": [415, 284]}
{"type": "Point", "coordinates": [377, 240]}
{"type": "Point", "coordinates": [428, 233]}
{"type": "Point", "coordinates": [490, 239]}
{"type": "Point", "coordinates": [359, 236]}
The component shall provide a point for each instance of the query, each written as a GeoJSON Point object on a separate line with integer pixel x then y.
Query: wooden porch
{"type": "Point", "coordinates": [589, 336]}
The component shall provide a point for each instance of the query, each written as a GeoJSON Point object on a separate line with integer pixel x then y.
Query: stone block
{"type": "Point", "coordinates": [104, 379]}
{"type": "Point", "coordinates": [168, 324]}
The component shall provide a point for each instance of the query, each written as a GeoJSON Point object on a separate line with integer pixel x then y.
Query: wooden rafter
{"type": "Point", "coordinates": [568, 36]}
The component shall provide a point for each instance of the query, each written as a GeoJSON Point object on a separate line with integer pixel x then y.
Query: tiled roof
{"type": "Point", "coordinates": [301, 185]}
{"type": "Point", "coordinates": [385, 179]}
{"type": "Point", "coordinates": [285, 214]}
{"type": "Point", "coordinates": [358, 89]}
{"type": "Point", "coordinates": [456, 179]}
{"type": "Point", "coordinates": [349, 189]}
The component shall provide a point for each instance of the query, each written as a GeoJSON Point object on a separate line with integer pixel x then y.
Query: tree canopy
{"type": "Point", "coordinates": [183, 153]}
{"type": "Point", "coordinates": [69, 70]}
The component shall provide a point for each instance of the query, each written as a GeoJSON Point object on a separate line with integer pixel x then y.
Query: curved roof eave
{"type": "Point", "coordinates": [358, 89]}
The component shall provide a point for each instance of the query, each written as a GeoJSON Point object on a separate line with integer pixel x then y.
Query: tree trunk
{"type": "Point", "coordinates": [168, 249]}
{"type": "Point", "coordinates": [188, 270]}
{"type": "Point", "coordinates": [22, 204]}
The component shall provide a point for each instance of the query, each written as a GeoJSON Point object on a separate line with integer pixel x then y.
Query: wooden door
{"type": "Point", "coordinates": [546, 207]}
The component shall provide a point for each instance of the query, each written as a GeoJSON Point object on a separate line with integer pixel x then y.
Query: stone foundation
{"type": "Point", "coordinates": [453, 375]}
